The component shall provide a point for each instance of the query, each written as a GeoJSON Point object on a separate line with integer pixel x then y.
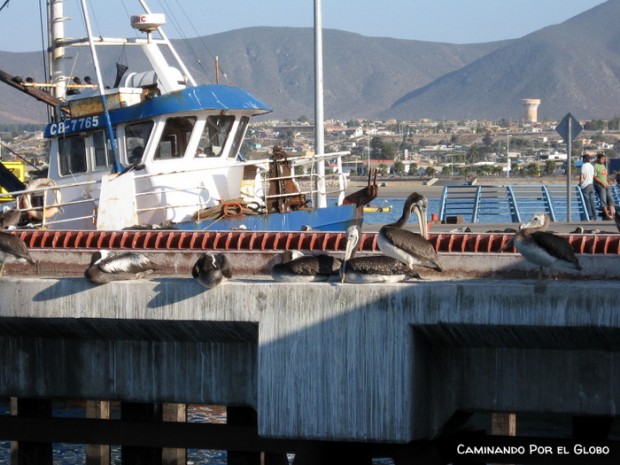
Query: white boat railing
{"type": "Point", "coordinates": [46, 202]}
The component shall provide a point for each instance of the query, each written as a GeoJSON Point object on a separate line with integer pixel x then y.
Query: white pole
{"type": "Point", "coordinates": [117, 167]}
{"type": "Point", "coordinates": [318, 101]}
{"type": "Point", "coordinates": [56, 33]}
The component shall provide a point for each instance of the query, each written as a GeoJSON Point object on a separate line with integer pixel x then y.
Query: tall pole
{"type": "Point", "coordinates": [56, 33]}
{"type": "Point", "coordinates": [569, 149]}
{"type": "Point", "coordinates": [319, 132]}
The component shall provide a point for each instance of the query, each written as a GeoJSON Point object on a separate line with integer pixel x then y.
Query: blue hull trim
{"type": "Point", "coordinates": [321, 219]}
{"type": "Point", "coordinates": [206, 97]}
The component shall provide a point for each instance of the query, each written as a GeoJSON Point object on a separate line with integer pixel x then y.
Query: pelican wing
{"type": "Point", "coordinates": [381, 265]}
{"type": "Point", "coordinates": [125, 262]}
{"type": "Point", "coordinates": [225, 266]}
{"type": "Point", "coordinates": [555, 246]}
{"type": "Point", "coordinates": [413, 244]}
{"type": "Point", "coordinates": [315, 265]}
{"type": "Point", "coordinates": [13, 245]}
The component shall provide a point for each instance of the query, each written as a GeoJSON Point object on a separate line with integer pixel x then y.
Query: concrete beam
{"type": "Point", "coordinates": [388, 363]}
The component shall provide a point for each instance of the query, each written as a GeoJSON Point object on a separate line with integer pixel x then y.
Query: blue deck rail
{"type": "Point", "coordinates": [487, 203]}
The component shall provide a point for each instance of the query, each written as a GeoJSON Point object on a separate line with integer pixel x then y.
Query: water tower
{"type": "Point", "coordinates": [531, 109]}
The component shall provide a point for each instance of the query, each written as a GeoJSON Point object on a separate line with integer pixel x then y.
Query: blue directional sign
{"type": "Point", "coordinates": [569, 128]}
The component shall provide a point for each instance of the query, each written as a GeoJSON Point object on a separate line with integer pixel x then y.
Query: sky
{"type": "Point", "coordinates": [452, 21]}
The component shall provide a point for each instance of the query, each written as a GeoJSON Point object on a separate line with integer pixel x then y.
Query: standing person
{"type": "Point", "coordinates": [586, 183]}
{"type": "Point", "coordinates": [603, 189]}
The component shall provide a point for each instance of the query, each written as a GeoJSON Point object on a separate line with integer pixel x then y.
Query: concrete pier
{"type": "Point", "coordinates": [365, 364]}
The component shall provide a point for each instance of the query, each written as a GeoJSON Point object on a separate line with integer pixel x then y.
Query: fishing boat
{"type": "Point", "coordinates": [155, 149]}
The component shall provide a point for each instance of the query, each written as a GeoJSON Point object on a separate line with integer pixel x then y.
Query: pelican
{"type": "Point", "coordinates": [293, 266]}
{"type": "Point", "coordinates": [372, 268]}
{"type": "Point", "coordinates": [106, 267]}
{"type": "Point", "coordinates": [543, 248]}
{"type": "Point", "coordinates": [211, 269]}
{"type": "Point", "coordinates": [410, 248]}
{"type": "Point", "coordinates": [13, 249]}
{"type": "Point", "coordinates": [9, 218]}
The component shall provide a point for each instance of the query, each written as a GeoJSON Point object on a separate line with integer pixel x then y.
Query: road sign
{"type": "Point", "coordinates": [569, 128]}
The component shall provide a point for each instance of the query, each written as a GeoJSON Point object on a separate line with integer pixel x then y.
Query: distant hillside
{"type": "Point", "coordinates": [572, 67]}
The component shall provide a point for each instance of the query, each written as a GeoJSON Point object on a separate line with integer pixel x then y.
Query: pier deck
{"type": "Point", "coordinates": [390, 364]}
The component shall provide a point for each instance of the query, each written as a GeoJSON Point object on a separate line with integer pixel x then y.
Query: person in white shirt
{"type": "Point", "coordinates": [586, 183]}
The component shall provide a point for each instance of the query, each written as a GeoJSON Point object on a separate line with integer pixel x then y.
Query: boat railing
{"type": "Point", "coordinates": [43, 204]}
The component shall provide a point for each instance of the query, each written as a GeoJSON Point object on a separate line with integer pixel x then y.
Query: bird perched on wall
{"type": "Point", "coordinates": [371, 268]}
{"type": "Point", "coordinates": [106, 266]}
{"type": "Point", "coordinates": [293, 266]}
{"type": "Point", "coordinates": [13, 249]}
{"type": "Point", "coordinates": [9, 218]}
{"type": "Point", "coordinates": [406, 246]}
{"type": "Point", "coordinates": [543, 248]}
{"type": "Point", "coordinates": [211, 269]}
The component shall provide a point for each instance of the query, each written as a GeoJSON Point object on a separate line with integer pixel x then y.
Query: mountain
{"type": "Point", "coordinates": [573, 66]}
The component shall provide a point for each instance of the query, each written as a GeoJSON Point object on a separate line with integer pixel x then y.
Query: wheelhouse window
{"type": "Point", "coordinates": [239, 134]}
{"type": "Point", "coordinates": [72, 155]}
{"type": "Point", "coordinates": [175, 137]}
{"type": "Point", "coordinates": [102, 150]}
{"type": "Point", "coordinates": [136, 137]}
{"type": "Point", "coordinates": [216, 132]}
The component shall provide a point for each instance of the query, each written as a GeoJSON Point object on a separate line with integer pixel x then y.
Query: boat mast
{"type": "Point", "coordinates": [319, 130]}
{"type": "Point", "coordinates": [56, 34]}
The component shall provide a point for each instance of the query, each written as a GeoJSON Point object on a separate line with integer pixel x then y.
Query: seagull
{"type": "Point", "coordinates": [13, 249]}
{"type": "Point", "coordinates": [543, 248]}
{"type": "Point", "coordinates": [293, 266]}
{"type": "Point", "coordinates": [106, 267]}
{"type": "Point", "coordinates": [408, 247]}
{"type": "Point", "coordinates": [211, 269]}
{"type": "Point", "coordinates": [371, 268]}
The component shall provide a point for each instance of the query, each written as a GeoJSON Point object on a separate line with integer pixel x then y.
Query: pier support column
{"type": "Point", "coordinates": [174, 413]}
{"type": "Point", "coordinates": [504, 424]}
{"type": "Point", "coordinates": [242, 416]}
{"type": "Point", "coordinates": [134, 411]}
{"type": "Point", "coordinates": [25, 452]}
{"type": "Point", "coordinates": [97, 454]}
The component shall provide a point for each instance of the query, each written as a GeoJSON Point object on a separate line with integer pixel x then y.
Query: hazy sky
{"type": "Point", "coordinates": [454, 21]}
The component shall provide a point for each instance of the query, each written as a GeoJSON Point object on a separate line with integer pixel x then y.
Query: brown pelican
{"type": "Point", "coordinates": [9, 218]}
{"type": "Point", "coordinates": [544, 248]}
{"type": "Point", "coordinates": [371, 268]}
{"type": "Point", "coordinates": [13, 249]}
{"type": "Point", "coordinates": [408, 247]}
{"type": "Point", "coordinates": [106, 267]}
{"type": "Point", "coordinates": [211, 269]}
{"type": "Point", "coordinates": [293, 266]}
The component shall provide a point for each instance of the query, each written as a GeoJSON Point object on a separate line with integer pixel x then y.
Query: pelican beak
{"type": "Point", "coordinates": [420, 211]}
{"type": "Point", "coordinates": [352, 241]}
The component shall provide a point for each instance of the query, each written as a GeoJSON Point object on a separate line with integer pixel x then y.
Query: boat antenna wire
{"type": "Point", "coordinates": [4, 4]}
{"type": "Point", "coordinates": [116, 166]}
{"type": "Point", "coordinates": [43, 53]}
{"type": "Point", "coordinates": [176, 56]}
{"type": "Point", "coordinates": [188, 43]}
